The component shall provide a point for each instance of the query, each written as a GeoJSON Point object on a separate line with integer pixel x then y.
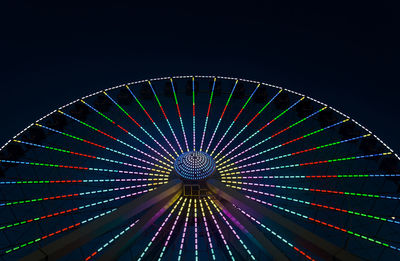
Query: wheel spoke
{"type": "Point", "coordinates": [262, 172]}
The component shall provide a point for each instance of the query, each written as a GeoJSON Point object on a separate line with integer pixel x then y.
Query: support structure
{"type": "Point", "coordinates": [120, 245]}
{"type": "Point", "coordinates": [81, 236]}
{"type": "Point", "coordinates": [325, 249]}
{"type": "Point", "coordinates": [251, 231]}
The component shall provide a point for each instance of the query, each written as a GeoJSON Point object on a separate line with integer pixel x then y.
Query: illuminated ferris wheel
{"type": "Point", "coordinates": [198, 168]}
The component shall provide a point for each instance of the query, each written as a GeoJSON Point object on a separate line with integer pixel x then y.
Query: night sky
{"type": "Point", "coordinates": [346, 56]}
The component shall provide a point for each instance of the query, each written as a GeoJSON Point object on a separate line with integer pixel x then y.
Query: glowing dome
{"type": "Point", "coordinates": [194, 165]}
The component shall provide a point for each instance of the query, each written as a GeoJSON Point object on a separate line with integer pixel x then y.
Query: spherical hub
{"type": "Point", "coordinates": [194, 165]}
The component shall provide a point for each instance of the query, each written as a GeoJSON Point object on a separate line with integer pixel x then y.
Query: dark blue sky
{"type": "Point", "coordinates": [346, 56]}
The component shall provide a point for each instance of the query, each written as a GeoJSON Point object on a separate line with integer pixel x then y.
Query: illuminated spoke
{"type": "Point", "coordinates": [294, 153]}
{"type": "Point", "coordinates": [84, 168]}
{"type": "Point", "coordinates": [76, 181]}
{"type": "Point", "coordinates": [137, 124]}
{"type": "Point", "coordinates": [232, 229]}
{"type": "Point", "coordinates": [222, 115]}
{"type": "Point", "coordinates": [111, 240]}
{"type": "Point", "coordinates": [160, 228]}
{"type": "Point", "coordinates": [306, 164]}
{"type": "Point", "coordinates": [370, 239]}
{"type": "Point", "coordinates": [259, 130]}
{"type": "Point", "coordinates": [222, 166]}
{"type": "Point", "coordinates": [233, 122]}
{"type": "Point", "coordinates": [107, 148]}
{"type": "Point", "coordinates": [184, 230]}
{"type": "Point", "coordinates": [210, 244]}
{"type": "Point", "coordinates": [125, 131]}
{"type": "Point", "coordinates": [277, 235]}
{"type": "Point", "coordinates": [166, 118]}
{"type": "Point", "coordinates": [153, 190]}
{"type": "Point", "coordinates": [66, 196]}
{"type": "Point", "coordinates": [333, 192]}
{"type": "Point", "coordinates": [208, 115]}
{"type": "Point", "coordinates": [151, 119]}
{"type": "Point", "coordinates": [245, 127]}
{"type": "Point", "coordinates": [179, 115]}
{"type": "Point", "coordinates": [196, 243]}
{"type": "Point", "coordinates": [92, 157]}
{"type": "Point", "coordinates": [71, 210]}
{"type": "Point", "coordinates": [305, 202]}
{"type": "Point", "coordinates": [272, 136]}
{"type": "Point", "coordinates": [172, 229]}
{"type": "Point", "coordinates": [219, 230]}
{"type": "Point", "coordinates": [194, 115]}
{"type": "Point", "coordinates": [73, 226]}
{"type": "Point", "coordinates": [338, 176]}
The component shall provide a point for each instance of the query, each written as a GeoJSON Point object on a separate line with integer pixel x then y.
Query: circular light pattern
{"type": "Point", "coordinates": [194, 165]}
{"type": "Point", "coordinates": [256, 146]}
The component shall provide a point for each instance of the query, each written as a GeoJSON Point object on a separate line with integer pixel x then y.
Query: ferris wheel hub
{"type": "Point", "coordinates": [194, 165]}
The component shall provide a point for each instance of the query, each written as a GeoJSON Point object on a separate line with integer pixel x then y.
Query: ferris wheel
{"type": "Point", "coordinates": [198, 168]}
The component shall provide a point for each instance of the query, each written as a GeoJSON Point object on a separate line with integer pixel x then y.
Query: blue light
{"type": "Point", "coordinates": [194, 165]}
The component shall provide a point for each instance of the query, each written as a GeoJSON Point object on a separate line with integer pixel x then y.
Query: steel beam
{"type": "Point", "coordinates": [90, 231]}
{"type": "Point", "coordinates": [251, 231]}
{"type": "Point", "coordinates": [120, 245]}
{"type": "Point", "coordinates": [324, 248]}
{"type": "Point", "coordinates": [236, 248]}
